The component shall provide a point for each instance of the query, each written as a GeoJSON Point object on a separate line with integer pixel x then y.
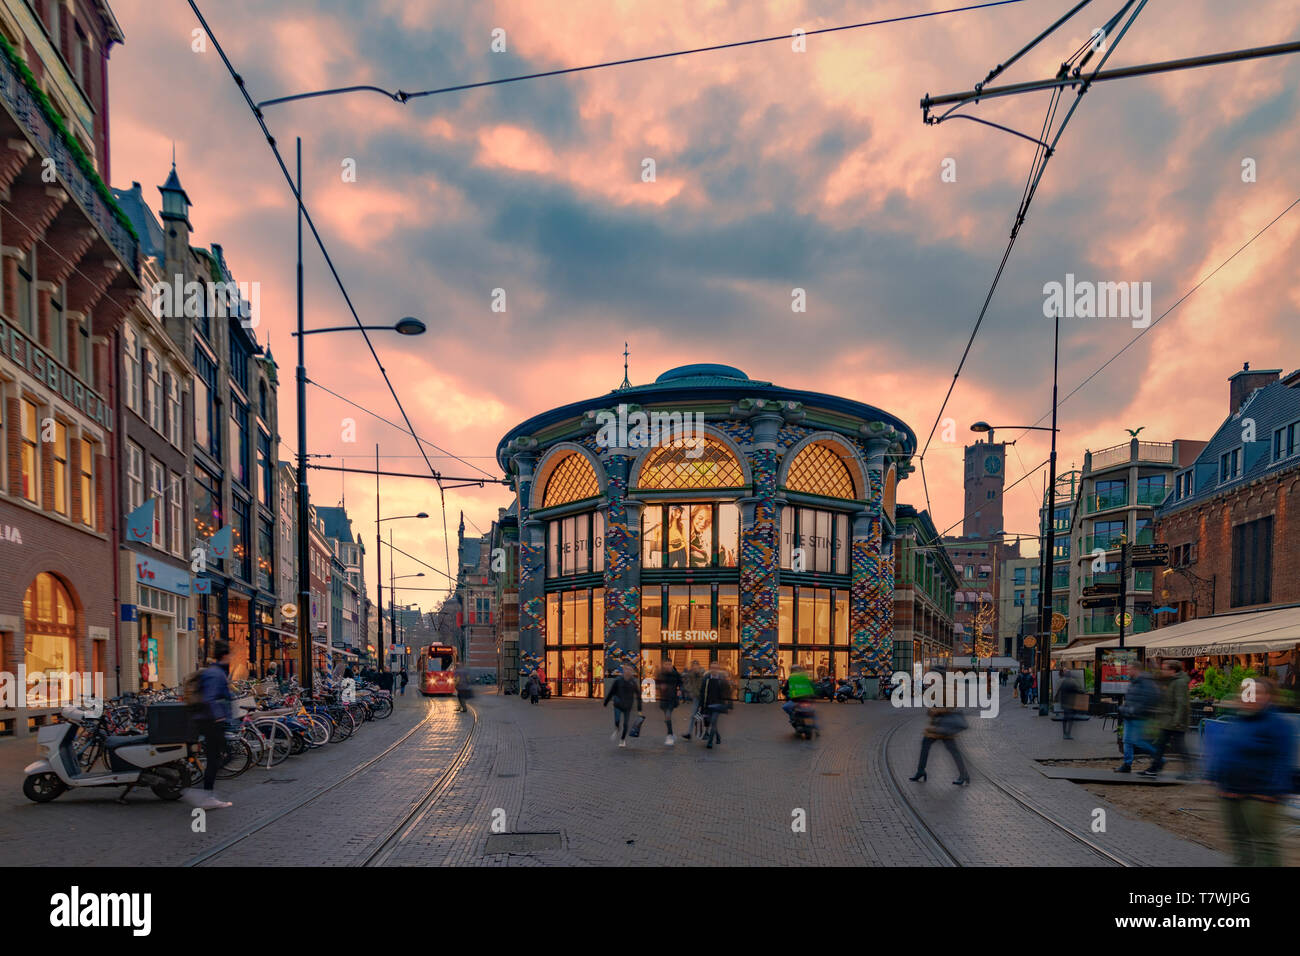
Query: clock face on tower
{"type": "Point", "coordinates": [992, 464]}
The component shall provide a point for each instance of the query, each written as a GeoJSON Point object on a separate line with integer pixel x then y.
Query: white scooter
{"type": "Point", "coordinates": [132, 761]}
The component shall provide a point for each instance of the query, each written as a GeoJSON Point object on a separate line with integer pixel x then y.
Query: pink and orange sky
{"type": "Point", "coordinates": [774, 170]}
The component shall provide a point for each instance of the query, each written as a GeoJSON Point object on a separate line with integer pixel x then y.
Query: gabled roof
{"type": "Point", "coordinates": [1268, 408]}
{"type": "Point", "coordinates": [336, 522]}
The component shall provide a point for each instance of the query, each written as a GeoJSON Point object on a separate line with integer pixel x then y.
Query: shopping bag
{"type": "Point", "coordinates": [636, 727]}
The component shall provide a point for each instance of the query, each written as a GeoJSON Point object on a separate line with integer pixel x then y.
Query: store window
{"type": "Point", "coordinates": [690, 535]}
{"type": "Point", "coordinates": [814, 540]}
{"type": "Point", "coordinates": [575, 653]}
{"type": "Point", "coordinates": [813, 629]}
{"type": "Point", "coordinates": [49, 625]}
{"type": "Point", "coordinates": [575, 545]}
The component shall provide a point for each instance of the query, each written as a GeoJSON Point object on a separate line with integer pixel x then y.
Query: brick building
{"type": "Point", "coordinates": [925, 591]}
{"type": "Point", "coordinates": [475, 590]}
{"type": "Point", "coordinates": [1232, 522]}
{"type": "Point", "coordinates": [70, 271]}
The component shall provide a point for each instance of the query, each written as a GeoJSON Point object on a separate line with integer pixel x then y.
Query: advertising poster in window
{"type": "Point", "coordinates": [677, 536]}
{"type": "Point", "coordinates": [701, 536]}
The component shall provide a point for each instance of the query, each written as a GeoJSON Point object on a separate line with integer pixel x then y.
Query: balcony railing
{"type": "Point", "coordinates": [1152, 495]}
{"type": "Point", "coordinates": [1104, 502]}
{"type": "Point", "coordinates": [1158, 451]}
{"type": "Point", "coordinates": [52, 142]}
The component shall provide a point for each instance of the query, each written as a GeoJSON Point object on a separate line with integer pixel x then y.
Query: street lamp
{"type": "Point", "coordinates": [392, 603]}
{"type": "Point", "coordinates": [1045, 580]}
{"type": "Point", "coordinates": [405, 326]}
{"type": "Point", "coordinates": [379, 559]}
{"type": "Point", "coordinates": [1195, 580]}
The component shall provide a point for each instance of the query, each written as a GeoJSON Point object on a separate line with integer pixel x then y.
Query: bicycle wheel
{"type": "Point", "coordinates": [383, 708]}
{"type": "Point", "coordinates": [765, 695]}
{"type": "Point", "coordinates": [338, 729]}
{"type": "Point", "coordinates": [279, 742]}
{"type": "Point", "coordinates": [317, 728]}
{"type": "Point", "coordinates": [255, 743]}
{"type": "Point", "coordinates": [238, 758]}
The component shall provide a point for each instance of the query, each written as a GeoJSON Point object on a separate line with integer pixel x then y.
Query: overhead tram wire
{"type": "Point", "coordinates": [1042, 155]}
{"type": "Point", "coordinates": [401, 96]}
{"type": "Point", "coordinates": [1186, 295]}
{"type": "Point", "coordinates": [320, 242]}
{"type": "Point", "coordinates": [404, 431]}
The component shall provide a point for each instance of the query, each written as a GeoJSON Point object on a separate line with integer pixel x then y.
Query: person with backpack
{"type": "Point", "coordinates": [208, 695]}
{"type": "Point", "coordinates": [623, 692]}
{"type": "Point", "coordinates": [1141, 705]}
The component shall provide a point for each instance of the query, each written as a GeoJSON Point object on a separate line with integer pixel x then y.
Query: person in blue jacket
{"type": "Point", "coordinates": [1252, 765]}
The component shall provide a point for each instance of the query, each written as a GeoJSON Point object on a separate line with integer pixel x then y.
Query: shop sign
{"type": "Point", "coordinates": [683, 637]}
{"type": "Point", "coordinates": [164, 577]}
{"type": "Point", "coordinates": [24, 353]}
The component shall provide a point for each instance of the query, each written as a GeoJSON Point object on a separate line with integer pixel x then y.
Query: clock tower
{"type": "Point", "coordinates": [984, 480]}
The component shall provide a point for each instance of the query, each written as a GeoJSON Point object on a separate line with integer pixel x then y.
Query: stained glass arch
{"type": "Point", "coordinates": [819, 469]}
{"type": "Point", "coordinates": [571, 479]}
{"type": "Point", "coordinates": [705, 462]}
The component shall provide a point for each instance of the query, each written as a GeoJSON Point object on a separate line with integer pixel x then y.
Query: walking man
{"type": "Point", "coordinates": [1173, 723]}
{"type": "Point", "coordinates": [668, 684]}
{"type": "Point", "coordinates": [1141, 705]}
{"type": "Point", "coordinates": [691, 682]}
{"type": "Point", "coordinates": [212, 712]}
{"type": "Point", "coordinates": [623, 692]}
{"type": "Point", "coordinates": [713, 701]}
{"type": "Point", "coordinates": [1066, 691]}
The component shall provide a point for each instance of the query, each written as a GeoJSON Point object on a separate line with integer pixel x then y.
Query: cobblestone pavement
{"type": "Point", "coordinates": [761, 797]}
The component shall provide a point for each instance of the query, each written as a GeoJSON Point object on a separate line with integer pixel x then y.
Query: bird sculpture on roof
{"type": "Point", "coordinates": [1134, 433]}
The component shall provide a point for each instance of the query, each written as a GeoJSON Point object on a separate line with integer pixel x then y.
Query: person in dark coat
{"type": "Point", "coordinates": [534, 687]}
{"type": "Point", "coordinates": [623, 691]}
{"type": "Point", "coordinates": [668, 684]}
{"type": "Point", "coordinates": [1252, 765]}
{"type": "Point", "coordinates": [406, 679]}
{"type": "Point", "coordinates": [1067, 690]}
{"type": "Point", "coordinates": [1173, 720]}
{"type": "Point", "coordinates": [1024, 684]}
{"type": "Point", "coordinates": [212, 715]}
{"type": "Point", "coordinates": [714, 700]}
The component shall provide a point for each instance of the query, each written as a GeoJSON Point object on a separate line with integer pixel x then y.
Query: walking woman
{"type": "Point", "coordinates": [945, 724]}
{"type": "Point", "coordinates": [668, 683]}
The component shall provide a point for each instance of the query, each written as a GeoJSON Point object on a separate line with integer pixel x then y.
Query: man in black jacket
{"type": "Point", "coordinates": [211, 715]}
{"type": "Point", "coordinates": [623, 692]}
{"type": "Point", "coordinates": [714, 700]}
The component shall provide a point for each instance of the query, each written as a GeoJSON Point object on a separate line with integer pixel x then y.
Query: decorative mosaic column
{"type": "Point", "coordinates": [758, 555]}
{"type": "Point", "coordinates": [532, 580]}
{"type": "Point", "coordinates": [622, 568]}
{"type": "Point", "coordinates": [871, 607]}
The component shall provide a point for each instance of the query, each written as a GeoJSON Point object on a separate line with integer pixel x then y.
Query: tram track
{"type": "Point", "coordinates": [227, 844]}
{"type": "Point", "coordinates": [936, 843]}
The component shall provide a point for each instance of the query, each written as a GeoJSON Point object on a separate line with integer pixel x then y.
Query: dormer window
{"type": "Point", "coordinates": [1229, 465]}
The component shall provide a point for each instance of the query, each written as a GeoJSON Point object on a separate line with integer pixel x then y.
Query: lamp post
{"type": "Point", "coordinates": [1045, 581]}
{"type": "Point", "coordinates": [405, 326]}
{"type": "Point", "coordinates": [1195, 580]}
{"type": "Point", "coordinates": [379, 562]}
{"type": "Point", "coordinates": [392, 604]}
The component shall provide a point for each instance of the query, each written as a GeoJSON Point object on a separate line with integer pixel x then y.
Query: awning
{"type": "Point", "coordinates": [1254, 632]}
{"type": "Point", "coordinates": [1082, 649]}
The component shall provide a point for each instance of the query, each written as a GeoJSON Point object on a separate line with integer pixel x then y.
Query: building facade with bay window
{"type": "Point", "coordinates": [706, 517]}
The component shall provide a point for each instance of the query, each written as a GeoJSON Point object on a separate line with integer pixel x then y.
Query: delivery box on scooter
{"type": "Point", "coordinates": [171, 724]}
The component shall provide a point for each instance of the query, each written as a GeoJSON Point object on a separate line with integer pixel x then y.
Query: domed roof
{"type": "Point", "coordinates": [702, 370]}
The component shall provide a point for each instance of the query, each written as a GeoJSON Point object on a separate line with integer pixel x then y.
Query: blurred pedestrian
{"type": "Point", "coordinates": [668, 685]}
{"type": "Point", "coordinates": [1142, 706]}
{"type": "Point", "coordinates": [1252, 767]}
{"type": "Point", "coordinates": [944, 725]}
{"type": "Point", "coordinates": [534, 687]}
{"type": "Point", "coordinates": [1067, 689]}
{"type": "Point", "coordinates": [714, 701]}
{"type": "Point", "coordinates": [623, 691]}
{"type": "Point", "coordinates": [406, 678]}
{"type": "Point", "coordinates": [691, 682]}
{"type": "Point", "coordinates": [1175, 712]}
{"type": "Point", "coordinates": [1023, 684]}
{"type": "Point", "coordinates": [463, 692]}
{"type": "Point", "coordinates": [212, 715]}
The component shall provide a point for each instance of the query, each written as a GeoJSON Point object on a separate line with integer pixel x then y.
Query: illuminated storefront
{"type": "Point", "coordinates": [724, 519]}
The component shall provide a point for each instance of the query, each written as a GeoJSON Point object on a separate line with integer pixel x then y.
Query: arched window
{"type": "Point", "coordinates": [687, 465]}
{"type": "Point", "coordinates": [820, 470]}
{"type": "Point", "coordinates": [50, 620]}
{"type": "Point", "coordinates": [573, 479]}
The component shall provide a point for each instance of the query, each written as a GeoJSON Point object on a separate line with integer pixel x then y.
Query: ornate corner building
{"type": "Point", "coordinates": [706, 517]}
